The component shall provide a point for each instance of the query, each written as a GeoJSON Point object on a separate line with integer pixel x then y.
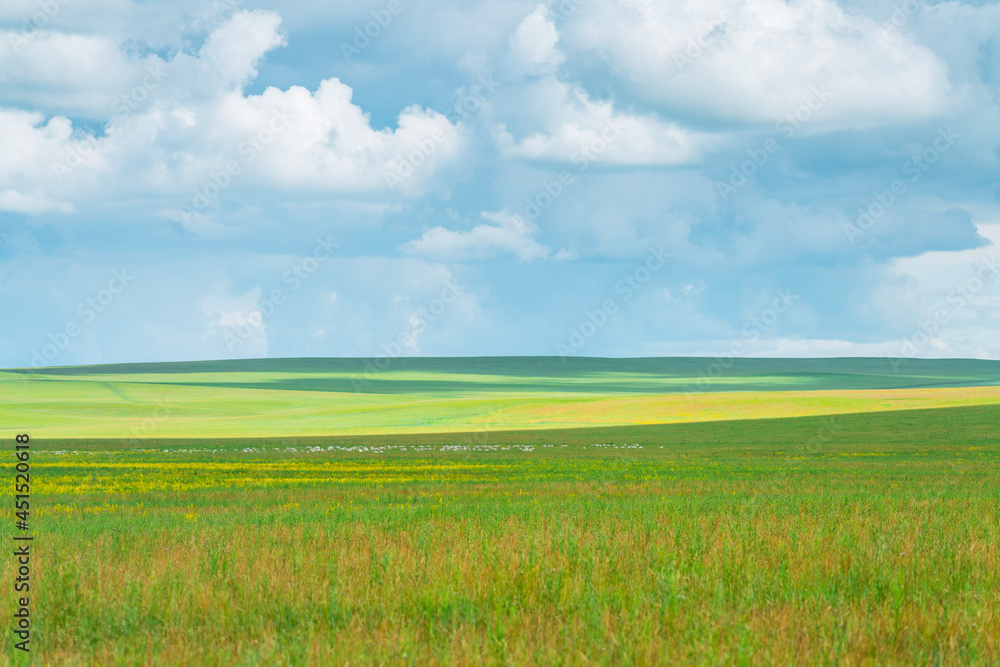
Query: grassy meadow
{"type": "Point", "coordinates": [281, 398]}
{"type": "Point", "coordinates": [506, 511]}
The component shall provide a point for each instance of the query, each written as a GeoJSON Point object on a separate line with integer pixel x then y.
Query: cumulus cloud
{"type": "Point", "coordinates": [235, 48]}
{"type": "Point", "coordinates": [534, 46]}
{"type": "Point", "coordinates": [755, 62]}
{"type": "Point", "coordinates": [583, 131]}
{"type": "Point", "coordinates": [76, 74]}
{"type": "Point", "coordinates": [187, 131]}
{"type": "Point", "coordinates": [502, 233]}
{"type": "Point", "coordinates": [559, 121]}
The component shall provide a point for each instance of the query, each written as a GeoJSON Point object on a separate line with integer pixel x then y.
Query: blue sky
{"type": "Point", "coordinates": [585, 177]}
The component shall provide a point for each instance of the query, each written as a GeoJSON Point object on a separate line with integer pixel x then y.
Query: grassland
{"type": "Point", "coordinates": [867, 534]}
{"type": "Point", "coordinates": [280, 398]}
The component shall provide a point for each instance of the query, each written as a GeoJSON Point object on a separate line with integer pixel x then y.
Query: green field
{"type": "Point", "coordinates": [314, 397]}
{"type": "Point", "coordinates": [512, 511]}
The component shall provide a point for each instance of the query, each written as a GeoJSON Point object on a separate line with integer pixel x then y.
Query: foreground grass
{"type": "Point", "coordinates": [862, 540]}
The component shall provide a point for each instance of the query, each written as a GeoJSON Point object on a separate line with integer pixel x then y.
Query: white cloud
{"type": "Point", "coordinates": [235, 48]}
{"type": "Point", "coordinates": [755, 62]}
{"type": "Point", "coordinates": [205, 226]}
{"type": "Point", "coordinates": [534, 46]}
{"type": "Point", "coordinates": [30, 145]}
{"type": "Point", "coordinates": [560, 122]}
{"type": "Point", "coordinates": [961, 34]}
{"type": "Point", "coordinates": [331, 144]}
{"type": "Point", "coordinates": [956, 299]}
{"type": "Point", "coordinates": [508, 233]}
{"type": "Point", "coordinates": [17, 202]}
{"type": "Point", "coordinates": [183, 124]}
{"type": "Point", "coordinates": [152, 24]}
{"type": "Point", "coordinates": [583, 131]}
{"type": "Point", "coordinates": [76, 74]}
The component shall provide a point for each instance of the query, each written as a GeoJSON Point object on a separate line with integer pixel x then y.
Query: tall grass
{"type": "Point", "coordinates": [878, 551]}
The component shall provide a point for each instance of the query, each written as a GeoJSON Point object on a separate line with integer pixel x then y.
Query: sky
{"type": "Point", "coordinates": [238, 179]}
